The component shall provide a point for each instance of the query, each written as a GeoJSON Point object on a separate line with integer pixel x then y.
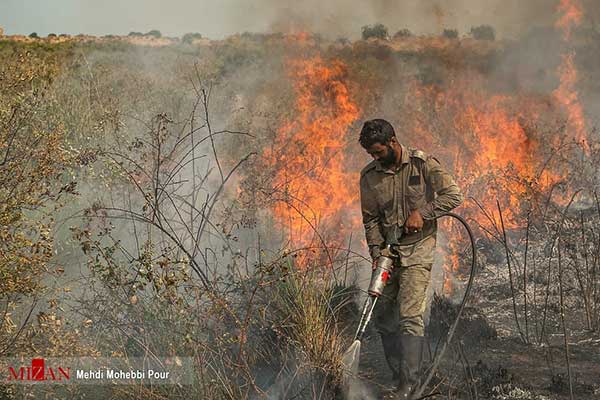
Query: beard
{"type": "Point", "coordinates": [390, 159]}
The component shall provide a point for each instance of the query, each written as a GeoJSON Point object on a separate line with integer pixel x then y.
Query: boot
{"type": "Point", "coordinates": [391, 352]}
{"type": "Point", "coordinates": [411, 349]}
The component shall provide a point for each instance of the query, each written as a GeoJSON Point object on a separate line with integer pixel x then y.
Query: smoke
{"type": "Point", "coordinates": [357, 390]}
{"type": "Point", "coordinates": [334, 18]}
{"type": "Point", "coordinates": [510, 18]}
{"type": "Point", "coordinates": [345, 18]}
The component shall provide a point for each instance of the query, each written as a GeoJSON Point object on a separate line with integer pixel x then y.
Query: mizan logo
{"type": "Point", "coordinates": [38, 371]}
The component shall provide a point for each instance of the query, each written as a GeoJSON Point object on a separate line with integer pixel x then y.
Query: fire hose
{"type": "Point", "coordinates": [379, 278]}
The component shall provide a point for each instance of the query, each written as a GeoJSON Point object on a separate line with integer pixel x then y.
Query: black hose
{"type": "Point", "coordinates": [463, 303]}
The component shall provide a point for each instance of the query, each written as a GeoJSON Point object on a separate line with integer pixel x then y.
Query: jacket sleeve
{"type": "Point", "coordinates": [448, 193]}
{"type": "Point", "coordinates": [371, 218]}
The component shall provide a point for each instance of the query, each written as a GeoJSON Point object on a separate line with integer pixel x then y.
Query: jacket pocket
{"type": "Point", "coordinates": [415, 193]}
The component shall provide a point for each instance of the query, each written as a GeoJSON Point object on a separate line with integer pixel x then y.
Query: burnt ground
{"type": "Point", "coordinates": [500, 365]}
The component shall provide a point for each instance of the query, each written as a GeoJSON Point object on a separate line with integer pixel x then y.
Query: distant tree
{"type": "Point", "coordinates": [378, 31]}
{"type": "Point", "coordinates": [317, 37]}
{"type": "Point", "coordinates": [342, 41]}
{"type": "Point", "coordinates": [135, 34]}
{"type": "Point", "coordinates": [33, 35]}
{"type": "Point", "coordinates": [154, 33]}
{"type": "Point", "coordinates": [483, 32]}
{"type": "Point", "coordinates": [403, 33]}
{"type": "Point", "coordinates": [276, 35]}
{"type": "Point", "coordinates": [190, 37]}
{"type": "Point", "coordinates": [63, 35]}
{"type": "Point", "coordinates": [52, 35]}
{"type": "Point", "coordinates": [450, 33]}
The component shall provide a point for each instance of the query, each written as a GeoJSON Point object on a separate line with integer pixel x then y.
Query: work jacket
{"type": "Point", "coordinates": [389, 195]}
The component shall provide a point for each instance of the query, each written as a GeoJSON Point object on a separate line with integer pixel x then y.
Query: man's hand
{"type": "Point", "coordinates": [374, 265]}
{"type": "Point", "coordinates": [414, 222]}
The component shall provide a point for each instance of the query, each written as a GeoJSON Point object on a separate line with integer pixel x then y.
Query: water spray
{"type": "Point", "coordinates": [379, 278]}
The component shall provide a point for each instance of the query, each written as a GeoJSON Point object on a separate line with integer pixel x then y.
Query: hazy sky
{"type": "Point", "coordinates": [218, 18]}
{"type": "Point", "coordinates": [122, 16]}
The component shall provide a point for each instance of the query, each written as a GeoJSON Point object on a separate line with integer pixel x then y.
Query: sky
{"type": "Point", "coordinates": [220, 18]}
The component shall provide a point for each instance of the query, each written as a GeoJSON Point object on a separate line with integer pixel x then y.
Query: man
{"type": "Point", "coordinates": [402, 191]}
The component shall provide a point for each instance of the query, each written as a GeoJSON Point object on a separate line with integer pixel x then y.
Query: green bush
{"type": "Point", "coordinates": [483, 32]}
{"type": "Point", "coordinates": [190, 37]}
{"type": "Point", "coordinates": [450, 33]}
{"type": "Point", "coordinates": [33, 35]}
{"type": "Point", "coordinates": [154, 33]}
{"type": "Point", "coordinates": [378, 31]}
{"type": "Point", "coordinates": [342, 41]}
{"type": "Point", "coordinates": [403, 33]}
{"type": "Point", "coordinates": [135, 34]}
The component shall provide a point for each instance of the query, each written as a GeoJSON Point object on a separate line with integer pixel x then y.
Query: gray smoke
{"type": "Point", "coordinates": [335, 18]}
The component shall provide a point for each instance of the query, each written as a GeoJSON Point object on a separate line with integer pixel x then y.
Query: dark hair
{"type": "Point", "coordinates": [376, 131]}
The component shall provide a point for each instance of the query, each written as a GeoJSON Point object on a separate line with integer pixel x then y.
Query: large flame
{"type": "Point", "coordinates": [318, 191]}
{"type": "Point", "coordinates": [570, 16]}
{"type": "Point", "coordinates": [567, 96]}
{"type": "Point", "coordinates": [490, 141]}
{"type": "Point", "coordinates": [483, 138]}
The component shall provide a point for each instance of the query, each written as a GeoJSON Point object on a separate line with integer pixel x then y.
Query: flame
{"type": "Point", "coordinates": [486, 136]}
{"type": "Point", "coordinates": [489, 141]}
{"type": "Point", "coordinates": [317, 190]}
{"type": "Point", "coordinates": [452, 260]}
{"type": "Point", "coordinates": [567, 96]}
{"type": "Point", "coordinates": [482, 137]}
{"type": "Point", "coordinates": [571, 17]}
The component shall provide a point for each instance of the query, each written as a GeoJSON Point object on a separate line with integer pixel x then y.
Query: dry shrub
{"type": "Point", "coordinates": [306, 297]}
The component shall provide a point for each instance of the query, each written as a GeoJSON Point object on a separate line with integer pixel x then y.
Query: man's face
{"type": "Point", "coordinates": [384, 153]}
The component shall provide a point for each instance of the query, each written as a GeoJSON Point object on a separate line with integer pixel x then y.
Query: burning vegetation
{"type": "Point", "coordinates": [200, 198]}
{"type": "Point", "coordinates": [313, 183]}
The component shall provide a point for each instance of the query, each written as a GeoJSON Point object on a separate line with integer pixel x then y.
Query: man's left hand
{"type": "Point", "coordinates": [414, 223]}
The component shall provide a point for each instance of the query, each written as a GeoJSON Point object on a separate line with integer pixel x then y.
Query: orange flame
{"type": "Point", "coordinates": [571, 16]}
{"type": "Point", "coordinates": [486, 136]}
{"type": "Point", "coordinates": [566, 94]}
{"type": "Point", "coordinates": [317, 188]}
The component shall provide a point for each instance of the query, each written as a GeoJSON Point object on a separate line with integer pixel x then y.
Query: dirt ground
{"type": "Point", "coordinates": [496, 364]}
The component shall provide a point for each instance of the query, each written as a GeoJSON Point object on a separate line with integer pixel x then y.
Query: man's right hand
{"type": "Point", "coordinates": [374, 265]}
